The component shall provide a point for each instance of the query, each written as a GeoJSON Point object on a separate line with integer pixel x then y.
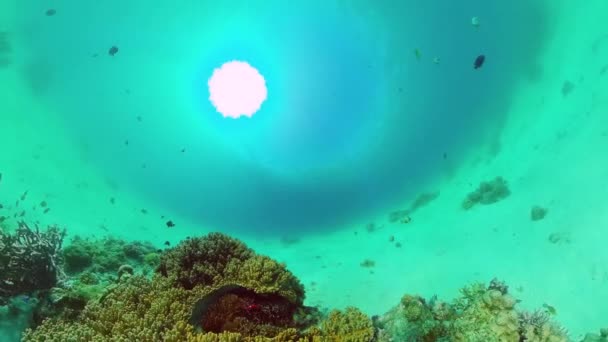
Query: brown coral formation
{"type": "Point", "coordinates": [209, 285]}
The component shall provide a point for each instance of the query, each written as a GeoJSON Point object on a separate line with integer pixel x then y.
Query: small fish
{"type": "Point", "coordinates": [2, 219]}
{"type": "Point", "coordinates": [24, 195]}
{"type": "Point", "coordinates": [183, 150]}
{"type": "Point", "coordinates": [144, 211]}
{"type": "Point", "coordinates": [0, 176]}
{"type": "Point", "coordinates": [46, 210]}
{"type": "Point", "coordinates": [436, 60]}
{"type": "Point", "coordinates": [22, 213]}
{"type": "Point", "coordinates": [139, 118]}
{"type": "Point", "coordinates": [418, 54]}
{"type": "Point", "coordinates": [1, 206]}
{"type": "Point", "coordinates": [479, 61]}
{"type": "Point", "coordinates": [50, 12]}
{"type": "Point", "coordinates": [162, 217]}
{"type": "Point", "coordinates": [550, 309]}
{"type": "Point", "coordinates": [167, 243]}
{"type": "Point", "coordinates": [43, 204]}
{"type": "Point", "coordinates": [170, 224]}
{"type": "Point", "coordinates": [127, 142]}
{"type": "Point", "coordinates": [113, 50]}
{"type": "Point", "coordinates": [112, 200]}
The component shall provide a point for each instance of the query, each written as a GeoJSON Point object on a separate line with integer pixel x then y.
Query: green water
{"type": "Point", "coordinates": [371, 106]}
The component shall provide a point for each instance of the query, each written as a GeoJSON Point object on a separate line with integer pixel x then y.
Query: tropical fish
{"type": "Point", "coordinates": [479, 61]}
{"type": "Point", "coordinates": [113, 50]}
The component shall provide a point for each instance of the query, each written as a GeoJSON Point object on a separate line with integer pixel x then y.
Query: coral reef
{"type": "Point", "coordinates": [29, 260]}
{"type": "Point", "coordinates": [105, 255]}
{"type": "Point", "coordinates": [480, 314]}
{"type": "Point", "coordinates": [245, 297]}
{"type": "Point", "coordinates": [215, 289]}
{"type": "Point", "coordinates": [351, 325]}
{"type": "Point", "coordinates": [217, 260]}
{"type": "Point", "coordinates": [488, 192]}
{"type": "Point", "coordinates": [537, 213]}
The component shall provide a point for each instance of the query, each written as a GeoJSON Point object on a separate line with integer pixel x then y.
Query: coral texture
{"type": "Point", "coordinates": [29, 260]}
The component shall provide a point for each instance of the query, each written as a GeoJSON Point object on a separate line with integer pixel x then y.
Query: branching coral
{"type": "Point", "coordinates": [140, 309]}
{"type": "Point", "coordinates": [479, 314]}
{"type": "Point", "coordinates": [137, 309]}
{"type": "Point", "coordinates": [203, 261]}
{"type": "Point", "coordinates": [29, 260]}
{"type": "Point", "coordinates": [537, 327]}
{"type": "Point", "coordinates": [217, 260]}
{"type": "Point", "coordinates": [351, 325]}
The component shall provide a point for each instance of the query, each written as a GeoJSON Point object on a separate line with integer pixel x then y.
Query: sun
{"type": "Point", "coordinates": [237, 89]}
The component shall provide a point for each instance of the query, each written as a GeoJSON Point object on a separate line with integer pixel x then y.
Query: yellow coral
{"type": "Point", "coordinates": [265, 276]}
{"type": "Point", "coordinates": [348, 326]}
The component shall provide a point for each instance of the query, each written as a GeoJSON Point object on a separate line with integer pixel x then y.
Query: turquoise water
{"type": "Point", "coordinates": [370, 105]}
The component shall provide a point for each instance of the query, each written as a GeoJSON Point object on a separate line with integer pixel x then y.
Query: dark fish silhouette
{"type": "Point", "coordinates": [479, 61]}
{"type": "Point", "coordinates": [50, 12]}
{"type": "Point", "coordinates": [170, 224]}
{"type": "Point", "coordinates": [113, 50]}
